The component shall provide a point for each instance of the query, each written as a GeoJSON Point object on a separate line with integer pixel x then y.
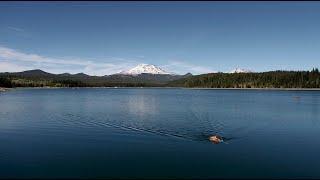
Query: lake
{"type": "Point", "coordinates": [159, 133]}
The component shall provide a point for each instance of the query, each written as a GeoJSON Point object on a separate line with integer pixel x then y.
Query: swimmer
{"type": "Point", "coordinates": [216, 139]}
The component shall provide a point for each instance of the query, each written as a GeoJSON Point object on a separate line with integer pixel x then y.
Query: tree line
{"type": "Point", "coordinates": [272, 79]}
{"type": "Point", "coordinates": [10, 82]}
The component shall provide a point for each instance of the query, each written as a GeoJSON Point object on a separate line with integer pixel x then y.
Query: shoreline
{"type": "Point", "coordinates": [267, 89]}
{"type": "Point", "coordinates": [2, 89]}
{"type": "Point", "coordinates": [195, 88]}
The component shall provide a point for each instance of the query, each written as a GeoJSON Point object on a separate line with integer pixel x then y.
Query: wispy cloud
{"type": "Point", "coordinates": [16, 29]}
{"type": "Point", "coordinates": [182, 67]}
{"type": "Point", "coordinates": [12, 67]}
{"type": "Point", "coordinates": [14, 60]}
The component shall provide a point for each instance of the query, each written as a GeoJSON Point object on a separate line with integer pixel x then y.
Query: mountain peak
{"type": "Point", "coordinates": [239, 70]}
{"type": "Point", "coordinates": [145, 68]}
{"type": "Point", "coordinates": [34, 72]}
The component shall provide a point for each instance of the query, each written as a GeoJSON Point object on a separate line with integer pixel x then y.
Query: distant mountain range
{"type": "Point", "coordinates": [145, 75]}
{"type": "Point", "coordinates": [141, 75]}
{"type": "Point", "coordinates": [145, 69]}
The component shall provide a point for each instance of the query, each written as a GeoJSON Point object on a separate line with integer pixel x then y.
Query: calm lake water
{"type": "Point", "coordinates": [159, 133]}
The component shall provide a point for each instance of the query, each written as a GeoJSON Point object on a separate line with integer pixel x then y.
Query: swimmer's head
{"type": "Point", "coordinates": [216, 139]}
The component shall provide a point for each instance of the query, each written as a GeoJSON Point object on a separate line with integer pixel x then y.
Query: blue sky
{"type": "Point", "coordinates": [101, 38]}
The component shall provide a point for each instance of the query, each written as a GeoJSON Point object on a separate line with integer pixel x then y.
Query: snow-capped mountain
{"type": "Point", "coordinates": [238, 70]}
{"type": "Point", "coordinates": [144, 68]}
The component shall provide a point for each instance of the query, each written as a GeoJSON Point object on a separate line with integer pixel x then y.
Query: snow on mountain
{"type": "Point", "coordinates": [238, 70]}
{"type": "Point", "coordinates": [144, 68]}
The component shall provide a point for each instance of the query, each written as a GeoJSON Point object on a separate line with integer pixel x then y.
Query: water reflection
{"type": "Point", "coordinates": [142, 105]}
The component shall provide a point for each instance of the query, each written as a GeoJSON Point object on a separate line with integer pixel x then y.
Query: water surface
{"type": "Point", "coordinates": [158, 133]}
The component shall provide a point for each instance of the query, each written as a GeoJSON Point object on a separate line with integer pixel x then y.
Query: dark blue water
{"type": "Point", "coordinates": [159, 133]}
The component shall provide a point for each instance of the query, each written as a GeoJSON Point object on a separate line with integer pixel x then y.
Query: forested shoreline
{"type": "Point", "coordinates": [271, 79]}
